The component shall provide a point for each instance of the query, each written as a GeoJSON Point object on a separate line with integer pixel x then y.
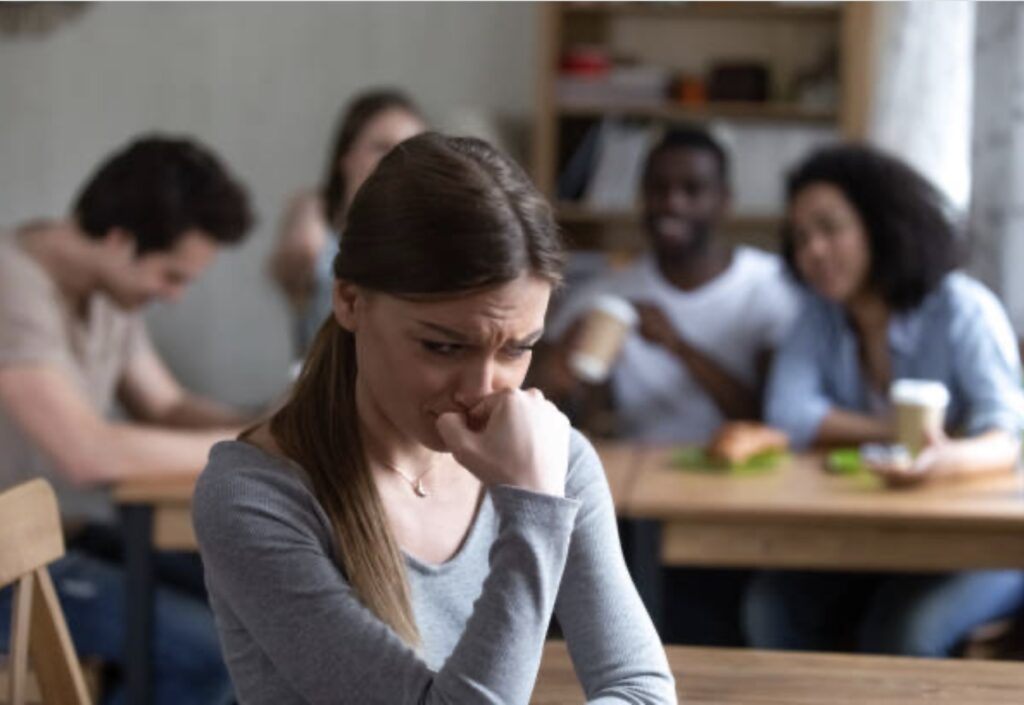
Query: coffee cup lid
{"type": "Point", "coordinates": [617, 307]}
{"type": "Point", "coordinates": [588, 367]}
{"type": "Point", "coordinates": [919, 391]}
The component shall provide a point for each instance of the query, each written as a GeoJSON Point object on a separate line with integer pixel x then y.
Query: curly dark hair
{"type": "Point", "coordinates": [912, 238]}
{"type": "Point", "coordinates": [159, 187]}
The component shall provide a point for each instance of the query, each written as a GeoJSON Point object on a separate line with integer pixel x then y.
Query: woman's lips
{"type": "Point", "coordinates": [824, 281]}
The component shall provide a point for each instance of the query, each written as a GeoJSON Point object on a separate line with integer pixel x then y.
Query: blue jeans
{"type": "Point", "coordinates": [188, 666]}
{"type": "Point", "coordinates": [910, 614]}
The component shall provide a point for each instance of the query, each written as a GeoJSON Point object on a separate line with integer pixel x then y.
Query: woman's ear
{"type": "Point", "coordinates": [347, 303]}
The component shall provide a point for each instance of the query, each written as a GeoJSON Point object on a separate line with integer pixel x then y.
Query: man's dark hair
{"type": "Point", "coordinates": [685, 136]}
{"type": "Point", "coordinates": [157, 188]}
{"type": "Point", "coordinates": [912, 239]}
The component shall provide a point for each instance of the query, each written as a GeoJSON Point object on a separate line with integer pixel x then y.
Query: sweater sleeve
{"type": "Point", "coordinates": [265, 547]}
{"type": "Point", "coordinates": [613, 644]}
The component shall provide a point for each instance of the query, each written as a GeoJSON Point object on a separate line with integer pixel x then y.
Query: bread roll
{"type": "Point", "coordinates": [739, 441]}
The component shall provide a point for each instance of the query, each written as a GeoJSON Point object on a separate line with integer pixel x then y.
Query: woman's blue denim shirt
{"type": "Point", "coordinates": [959, 335]}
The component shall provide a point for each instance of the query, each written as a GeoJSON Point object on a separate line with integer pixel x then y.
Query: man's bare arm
{"type": "Point", "coordinates": [87, 449]}
{"type": "Point", "coordinates": [150, 393]}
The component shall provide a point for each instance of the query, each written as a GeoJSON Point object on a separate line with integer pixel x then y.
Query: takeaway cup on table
{"type": "Point", "coordinates": [601, 337]}
{"type": "Point", "coordinates": [920, 409]}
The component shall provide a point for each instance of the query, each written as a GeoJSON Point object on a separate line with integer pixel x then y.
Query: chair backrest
{"type": "Point", "coordinates": [31, 538]}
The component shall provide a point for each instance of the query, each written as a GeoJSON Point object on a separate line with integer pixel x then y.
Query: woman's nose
{"type": "Point", "coordinates": [480, 379]}
{"type": "Point", "coordinates": [475, 382]}
{"type": "Point", "coordinates": [813, 246]}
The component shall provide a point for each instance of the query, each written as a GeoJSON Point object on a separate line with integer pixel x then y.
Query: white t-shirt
{"type": "Point", "coordinates": [732, 319]}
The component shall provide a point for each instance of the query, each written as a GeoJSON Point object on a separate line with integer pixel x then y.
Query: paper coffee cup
{"type": "Point", "coordinates": [920, 408]}
{"type": "Point", "coordinates": [601, 337]}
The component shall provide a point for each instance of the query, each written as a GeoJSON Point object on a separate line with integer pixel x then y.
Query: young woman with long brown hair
{"type": "Point", "coordinates": [403, 529]}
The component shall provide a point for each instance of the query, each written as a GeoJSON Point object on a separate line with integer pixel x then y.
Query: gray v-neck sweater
{"type": "Point", "coordinates": [293, 631]}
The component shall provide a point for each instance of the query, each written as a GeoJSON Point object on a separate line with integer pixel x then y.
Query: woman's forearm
{"type": "Point", "coordinates": [992, 451]}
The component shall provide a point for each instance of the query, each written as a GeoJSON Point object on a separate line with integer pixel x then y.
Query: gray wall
{"type": "Point", "coordinates": [262, 84]}
{"type": "Point", "coordinates": [997, 205]}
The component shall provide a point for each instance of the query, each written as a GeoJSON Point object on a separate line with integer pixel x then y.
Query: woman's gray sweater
{"type": "Point", "coordinates": [293, 630]}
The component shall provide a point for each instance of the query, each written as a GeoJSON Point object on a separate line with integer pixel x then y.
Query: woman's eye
{"type": "Point", "coordinates": [446, 349]}
{"type": "Point", "coordinates": [832, 226]}
{"type": "Point", "coordinates": [518, 351]}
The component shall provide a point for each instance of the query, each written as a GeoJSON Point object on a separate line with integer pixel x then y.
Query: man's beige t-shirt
{"type": "Point", "coordinates": [38, 328]}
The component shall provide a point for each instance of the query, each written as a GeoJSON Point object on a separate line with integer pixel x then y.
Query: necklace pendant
{"type": "Point", "coordinates": [419, 489]}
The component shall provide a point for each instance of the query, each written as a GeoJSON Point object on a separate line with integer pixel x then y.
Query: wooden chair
{"type": "Point", "coordinates": [31, 538]}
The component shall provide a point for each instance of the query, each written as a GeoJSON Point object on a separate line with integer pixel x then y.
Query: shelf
{"type": "Point", "coordinates": [577, 214]}
{"type": "Point", "coordinates": [790, 39]}
{"type": "Point", "coordinates": [744, 11]}
{"type": "Point", "coordinates": [746, 111]}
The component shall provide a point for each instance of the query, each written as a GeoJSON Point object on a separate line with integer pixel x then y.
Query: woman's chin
{"type": "Point", "coordinates": [831, 292]}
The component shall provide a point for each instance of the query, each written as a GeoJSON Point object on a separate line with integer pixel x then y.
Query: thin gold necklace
{"type": "Point", "coordinates": [415, 484]}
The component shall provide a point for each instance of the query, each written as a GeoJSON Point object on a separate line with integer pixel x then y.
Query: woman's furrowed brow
{"type": "Point", "coordinates": [461, 337]}
{"type": "Point", "coordinates": [446, 331]}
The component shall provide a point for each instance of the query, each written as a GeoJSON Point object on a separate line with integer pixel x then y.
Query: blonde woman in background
{"type": "Point", "coordinates": [370, 125]}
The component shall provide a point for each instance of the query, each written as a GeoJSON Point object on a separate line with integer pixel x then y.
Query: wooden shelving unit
{"type": "Point", "coordinates": [621, 231]}
{"type": "Point", "coordinates": [558, 120]}
{"type": "Point", "coordinates": [569, 212]}
{"type": "Point", "coordinates": [733, 110]}
{"type": "Point", "coordinates": [760, 11]}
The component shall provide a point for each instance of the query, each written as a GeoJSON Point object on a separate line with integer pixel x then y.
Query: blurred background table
{"type": "Point", "coordinates": [799, 516]}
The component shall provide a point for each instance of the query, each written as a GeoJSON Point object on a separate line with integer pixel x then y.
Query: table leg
{"type": "Point", "coordinates": [137, 520]}
{"type": "Point", "coordinates": [641, 543]}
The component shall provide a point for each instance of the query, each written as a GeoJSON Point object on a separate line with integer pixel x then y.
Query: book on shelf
{"type": "Point", "coordinates": [573, 180]}
{"type": "Point", "coordinates": [618, 164]}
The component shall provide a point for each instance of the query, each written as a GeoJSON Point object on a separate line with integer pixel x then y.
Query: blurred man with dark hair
{"type": "Point", "coordinates": [710, 315]}
{"type": "Point", "coordinates": [72, 341]}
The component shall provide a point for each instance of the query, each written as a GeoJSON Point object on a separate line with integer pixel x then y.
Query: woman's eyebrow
{"type": "Point", "coordinates": [531, 338]}
{"type": "Point", "coordinates": [443, 330]}
{"type": "Point", "coordinates": [463, 338]}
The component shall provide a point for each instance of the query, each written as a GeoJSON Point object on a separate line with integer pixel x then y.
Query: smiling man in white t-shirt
{"type": "Point", "coordinates": [710, 313]}
{"type": "Point", "coordinates": [710, 316]}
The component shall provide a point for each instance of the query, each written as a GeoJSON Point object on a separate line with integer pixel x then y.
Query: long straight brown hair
{"type": "Point", "coordinates": [440, 215]}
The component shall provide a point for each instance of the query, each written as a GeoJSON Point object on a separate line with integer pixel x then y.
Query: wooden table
{"type": "Point", "coordinates": [748, 677]}
{"type": "Point", "coordinates": [799, 516]}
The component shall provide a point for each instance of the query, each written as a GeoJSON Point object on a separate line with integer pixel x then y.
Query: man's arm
{"type": "Point", "coordinates": [150, 393]}
{"type": "Point", "coordinates": [86, 448]}
{"type": "Point", "coordinates": [735, 399]}
{"type": "Point", "coordinates": [588, 406]}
